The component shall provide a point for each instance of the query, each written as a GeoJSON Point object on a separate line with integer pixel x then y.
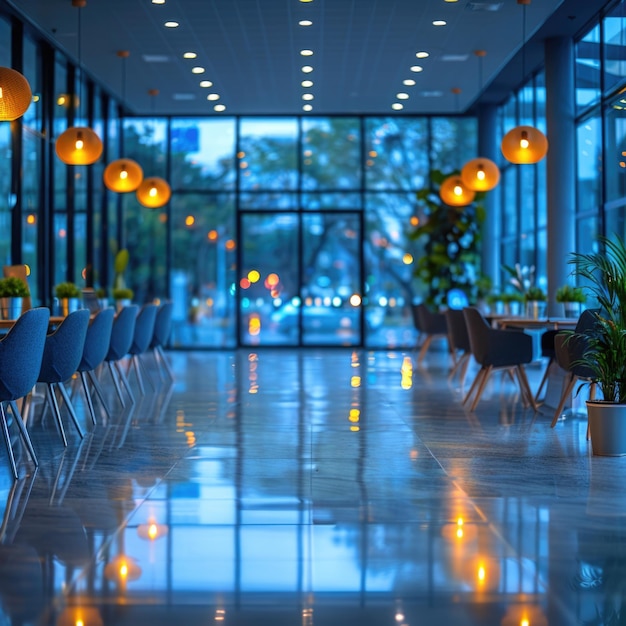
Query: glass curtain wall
{"type": "Point", "coordinates": [288, 231]}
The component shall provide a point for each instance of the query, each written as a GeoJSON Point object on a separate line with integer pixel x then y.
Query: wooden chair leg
{"type": "Point", "coordinates": [424, 349]}
{"type": "Point", "coordinates": [481, 387]}
{"type": "Point", "coordinates": [544, 380]}
{"type": "Point", "coordinates": [475, 383]}
{"type": "Point", "coordinates": [523, 378]}
{"type": "Point", "coordinates": [563, 400]}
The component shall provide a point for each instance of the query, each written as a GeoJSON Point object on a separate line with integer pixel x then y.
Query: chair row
{"type": "Point", "coordinates": [30, 354]}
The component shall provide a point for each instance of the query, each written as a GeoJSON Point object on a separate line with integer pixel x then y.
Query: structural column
{"type": "Point", "coordinates": [561, 162]}
{"type": "Point", "coordinates": [488, 148]}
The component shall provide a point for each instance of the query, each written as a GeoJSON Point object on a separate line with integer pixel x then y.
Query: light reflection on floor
{"type": "Point", "coordinates": [314, 487]}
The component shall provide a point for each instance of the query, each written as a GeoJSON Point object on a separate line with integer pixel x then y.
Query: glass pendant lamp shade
{"type": "Point", "coordinates": [524, 144]}
{"type": "Point", "coordinates": [15, 94]}
{"type": "Point", "coordinates": [153, 192]}
{"type": "Point", "coordinates": [454, 193]}
{"type": "Point", "coordinates": [480, 174]}
{"type": "Point", "coordinates": [78, 145]}
{"type": "Point", "coordinates": [123, 175]}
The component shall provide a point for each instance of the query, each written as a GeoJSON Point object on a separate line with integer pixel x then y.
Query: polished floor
{"type": "Point", "coordinates": [326, 487]}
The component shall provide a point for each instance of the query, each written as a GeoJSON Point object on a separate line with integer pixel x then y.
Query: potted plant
{"type": "Point", "coordinates": [604, 277]}
{"type": "Point", "coordinates": [12, 292]}
{"type": "Point", "coordinates": [122, 297]}
{"type": "Point", "coordinates": [572, 299]}
{"type": "Point", "coordinates": [69, 295]}
{"type": "Point", "coordinates": [535, 298]}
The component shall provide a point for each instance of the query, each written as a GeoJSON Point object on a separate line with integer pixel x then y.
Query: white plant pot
{"type": "Point", "coordinates": [607, 426]}
{"type": "Point", "coordinates": [571, 309]}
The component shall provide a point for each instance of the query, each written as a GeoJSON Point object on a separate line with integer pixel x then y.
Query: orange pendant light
{"type": "Point", "coordinates": [15, 94]}
{"type": "Point", "coordinates": [123, 175]}
{"type": "Point", "coordinates": [454, 192]}
{"type": "Point", "coordinates": [524, 144]}
{"type": "Point", "coordinates": [480, 174]}
{"type": "Point", "coordinates": [78, 145]}
{"type": "Point", "coordinates": [153, 192]}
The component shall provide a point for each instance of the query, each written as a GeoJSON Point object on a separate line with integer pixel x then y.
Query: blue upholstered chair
{"type": "Point", "coordinates": [160, 337]}
{"type": "Point", "coordinates": [95, 349]}
{"type": "Point", "coordinates": [61, 356]}
{"type": "Point", "coordinates": [122, 335]}
{"type": "Point", "coordinates": [144, 330]}
{"type": "Point", "coordinates": [497, 349]}
{"type": "Point", "coordinates": [21, 351]}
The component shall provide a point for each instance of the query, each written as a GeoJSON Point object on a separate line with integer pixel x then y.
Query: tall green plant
{"type": "Point", "coordinates": [604, 273]}
{"type": "Point", "coordinates": [451, 238]}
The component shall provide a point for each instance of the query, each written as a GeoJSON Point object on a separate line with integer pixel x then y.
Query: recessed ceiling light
{"type": "Point", "coordinates": [416, 68]}
{"type": "Point", "coordinates": [307, 83]}
{"type": "Point", "coordinates": [439, 22]}
{"type": "Point", "coordinates": [422, 55]}
{"type": "Point", "coordinates": [396, 106]}
{"type": "Point", "coordinates": [197, 70]}
{"type": "Point", "coordinates": [219, 108]}
{"type": "Point", "coordinates": [307, 107]}
{"type": "Point", "coordinates": [308, 96]}
{"type": "Point", "coordinates": [171, 24]}
{"type": "Point", "coordinates": [305, 23]}
{"type": "Point", "coordinates": [402, 96]}
{"type": "Point", "coordinates": [206, 83]}
{"type": "Point", "coordinates": [189, 55]}
{"type": "Point", "coordinates": [306, 53]}
{"type": "Point", "coordinates": [213, 96]}
{"type": "Point", "coordinates": [306, 0]}
{"type": "Point", "coordinates": [158, 1]}
{"type": "Point", "coordinates": [307, 69]}
{"type": "Point", "coordinates": [450, 0]}
{"type": "Point", "coordinates": [409, 82]}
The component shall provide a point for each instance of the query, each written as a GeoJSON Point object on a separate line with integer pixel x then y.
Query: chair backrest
{"type": "Point", "coordinates": [122, 333]}
{"type": "Point", "coordinates": [431, 323]}
{"type": "Point", "coordinates": [478, 331]}
{"type": "Point", "coordinates": [21, 351]}
{"type": "Point", "coordinates": [19, 271]}
{"type": "Point", "coordinates": [162, 324]}
{"type": "Point", "coordinates": [457, 330]}
{"type": "Point", "coordinates": [569, 348]}
{"type": "Point", "coordinates": [97, 340]}
{"type": "Point", "coordinates": [64, 348]}
{"type": "Point", "coordinates": [144, 329]}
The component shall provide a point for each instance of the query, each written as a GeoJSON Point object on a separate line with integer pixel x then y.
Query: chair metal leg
{"type": "Point", "coordinates": [116, 382]}
{"type": "Point", "coordinates": [87, 391]}
{"type": "Point", "coordinates": [160, 356]}
{"type": "Point", "coordinates": [24, 432]}
{"type": "Point", "coordinates": [70, 408]}
{"type": "Point", "coordinates": [7, 440]}
{"type": "Point", "coordinates": [54, 405]}
{"type": "Point", "coordinates": [100, 393]}
{"type": "Point", "coordinates": [133, 363]}
{"type": "Point", "coordinates": [125, 382]}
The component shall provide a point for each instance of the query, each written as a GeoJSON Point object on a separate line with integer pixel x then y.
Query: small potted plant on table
{"type": "Point", "coordinates": [535, 299]}
{"type": "Point", "coordinates": [13, 290]}
{"type": "Point", "coordinates": [69, 295]}
{"type": "Point", "coordinates": [572, 299]}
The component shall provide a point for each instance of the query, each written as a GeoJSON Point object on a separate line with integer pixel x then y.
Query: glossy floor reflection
{"type": "Point", "coordinates": [314, 487]}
